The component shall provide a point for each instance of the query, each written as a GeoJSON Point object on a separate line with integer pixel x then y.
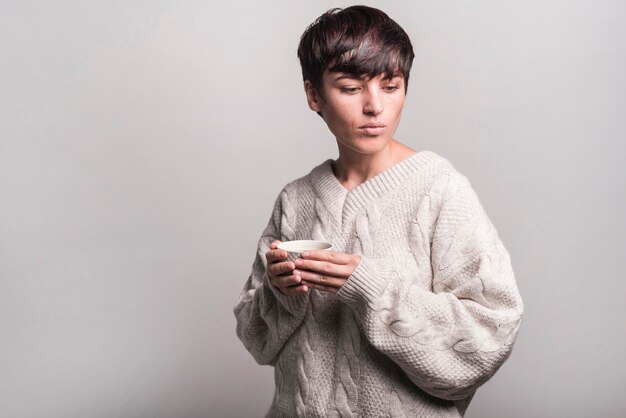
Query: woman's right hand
{"type": "Point", "coordinates": [280, 272]}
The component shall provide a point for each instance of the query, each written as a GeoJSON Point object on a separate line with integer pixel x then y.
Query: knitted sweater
{"type": "Point", "coordinates": [429, 314]}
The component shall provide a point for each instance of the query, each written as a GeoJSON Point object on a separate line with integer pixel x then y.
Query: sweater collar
{"type": "Point", "coordinates": [343, 203]}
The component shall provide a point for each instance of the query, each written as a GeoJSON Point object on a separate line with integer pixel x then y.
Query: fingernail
{"type": "Point", "coordinates": [298, 262]}
{"type": "Point", "coordinates": [305, 254]}
{"type": "Point", "coordinates": [283, 255]}
{"type": "Point", "coordinates": [296, 272]}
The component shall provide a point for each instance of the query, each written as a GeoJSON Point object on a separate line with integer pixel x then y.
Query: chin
{"type": "Point", "coordinates": [366, 145]}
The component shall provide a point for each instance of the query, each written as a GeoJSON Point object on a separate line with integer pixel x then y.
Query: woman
{"type": "Point", "coordinates": [417, 304]}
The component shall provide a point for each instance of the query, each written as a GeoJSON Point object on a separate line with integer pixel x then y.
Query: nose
{"type": "Point", "coordinates": [373, 104]}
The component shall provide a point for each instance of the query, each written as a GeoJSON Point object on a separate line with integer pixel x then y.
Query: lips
{"type": "Point", "coordinates": [373, 125]}
{"type": "Point", "coordinates": [373, 128]}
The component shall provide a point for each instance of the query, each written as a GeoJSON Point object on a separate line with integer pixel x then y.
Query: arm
{"type": "Point", "coordinates": [266, 317]}
{"type": "Point", "coordinates": [452, 339]}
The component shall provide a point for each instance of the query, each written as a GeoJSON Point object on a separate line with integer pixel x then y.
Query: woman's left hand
{"type": "Point", "coordinates": [325, 270]}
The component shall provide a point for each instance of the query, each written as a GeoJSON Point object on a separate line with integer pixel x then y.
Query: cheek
{"type": "Point", "coordinates": [334, 123]}
{"type": "Point", "coordinates": [397, 109]}
{"type": "Point", "coordinates": [337, 115]}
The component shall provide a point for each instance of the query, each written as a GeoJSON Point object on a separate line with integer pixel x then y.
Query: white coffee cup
{"type": "Point", "coordinates": [295, 248]}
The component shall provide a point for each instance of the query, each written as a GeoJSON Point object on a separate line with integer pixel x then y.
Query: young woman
{"type": "Point", "coordinates": [416, 306]}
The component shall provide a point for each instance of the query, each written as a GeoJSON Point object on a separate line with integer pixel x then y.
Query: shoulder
{"type": "Point", "coordinates": [439, 184]}
{"type": "Point", "coordinates": [302, 188]}
{"type": "Point", "coordinates": [432, 170]}
{"type": "Point", "coordinates": [452, 194]}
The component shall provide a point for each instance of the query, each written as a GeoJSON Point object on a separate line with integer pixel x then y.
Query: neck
{"type": "Point", "coordinates": [352, 169]}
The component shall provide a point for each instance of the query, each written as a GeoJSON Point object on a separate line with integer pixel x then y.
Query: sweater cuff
{"type": "Point", "coordinates": [364, 285]}
{"type": "Point", "coordinates": [293, 304]}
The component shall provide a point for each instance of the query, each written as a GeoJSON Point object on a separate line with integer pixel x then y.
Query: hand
{"type": "Point", "coordinates": [280, 273]}
{"type": "Point", "coordinates": [325, 270]}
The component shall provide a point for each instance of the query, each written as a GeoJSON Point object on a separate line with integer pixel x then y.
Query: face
{"type": "Point", "coordinates": [362, 113]}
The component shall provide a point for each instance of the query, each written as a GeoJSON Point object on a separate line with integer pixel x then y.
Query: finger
{"type": "Point", "coordinates": [280, 268]}
{"type": "Point", "coordinates": [294, 290]}
{"type": "Point", "coordinates": [330, 256]}
{"type": "Point", "coordinates": [325, 267]}
{"type": "Point", "coordinates": [273, 255]}
{"type": "Point", "coordinates": [321, 287]}
{"type": "Point", "coordinates": [320, 279]}
{"type": "Point", "coordinates": [274, 244]}
{"type": "Point", "coordinates": [286, 281]}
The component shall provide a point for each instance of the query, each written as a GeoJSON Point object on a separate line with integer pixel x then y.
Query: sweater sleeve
{"type": "Point", "coordinates": [265, 316]}
{"type": "Point", "coordinates": [451, 338]}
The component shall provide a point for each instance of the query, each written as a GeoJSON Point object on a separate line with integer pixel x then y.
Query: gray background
{"type": "Point", "coordinates": [142, 145]}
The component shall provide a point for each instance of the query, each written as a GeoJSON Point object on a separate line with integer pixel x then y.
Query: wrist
{"type": "Point", "coordinates": [365, 285]}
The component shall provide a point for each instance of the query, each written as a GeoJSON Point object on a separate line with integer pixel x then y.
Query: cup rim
{"type": "Point", "coordinates": [292, 246]}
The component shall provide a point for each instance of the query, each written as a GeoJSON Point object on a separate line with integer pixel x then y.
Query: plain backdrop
{"type": "Point", "coordinates": [142, 145]}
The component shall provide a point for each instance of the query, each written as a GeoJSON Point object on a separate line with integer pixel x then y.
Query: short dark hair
{"type": "Point", "coordinates": [358, 40]}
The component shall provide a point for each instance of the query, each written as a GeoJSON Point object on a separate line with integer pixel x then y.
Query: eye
{"type": "Point", "coordinates": [391, 88]}
{"type": "Point", "coordinates": [350, 90]}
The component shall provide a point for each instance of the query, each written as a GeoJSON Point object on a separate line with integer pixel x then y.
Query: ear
{"type": "Point", "coordinates": [313, 97]}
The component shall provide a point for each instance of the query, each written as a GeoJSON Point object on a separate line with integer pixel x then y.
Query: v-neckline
{"type": "Point", "coordinates": [343, 203]}
{"type": "Point", "coordinates": [332, 163]}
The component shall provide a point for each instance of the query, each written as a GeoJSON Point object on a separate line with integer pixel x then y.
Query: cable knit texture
{"type": "Point", "coordinates": [429, 314]}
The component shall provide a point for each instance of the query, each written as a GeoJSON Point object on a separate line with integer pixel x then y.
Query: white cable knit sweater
{"type": "Point", "coordinates": [429, 314]}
